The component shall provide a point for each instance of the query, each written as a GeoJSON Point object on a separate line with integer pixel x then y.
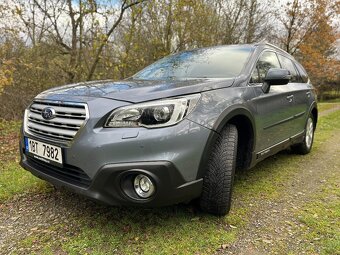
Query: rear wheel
{"type": "Point", "coordinates": [306, 145]}
{"type": "Point", "coordinates": [219, 176]}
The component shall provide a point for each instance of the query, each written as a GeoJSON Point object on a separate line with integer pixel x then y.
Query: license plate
{"type": "Point", "coordinates": [45, 152]}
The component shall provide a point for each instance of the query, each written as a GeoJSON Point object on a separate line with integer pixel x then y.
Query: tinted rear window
{"type": "Point", "coordinates": [303, 73]}
{"type": "Point", "coordinates": [218, 62]}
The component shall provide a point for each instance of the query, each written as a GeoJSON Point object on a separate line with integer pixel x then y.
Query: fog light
{"type": "Point", "coordinates": [143, 186]}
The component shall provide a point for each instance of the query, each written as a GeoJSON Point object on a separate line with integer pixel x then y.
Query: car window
{"type": "Point", "coordinates": [217, 62]}
{"type": "Point", "coordinates": [289, 65]}
{"type": "Point", "coordinates": [266, 61]}
{"type": "Point", "coordinates": [303, 73]}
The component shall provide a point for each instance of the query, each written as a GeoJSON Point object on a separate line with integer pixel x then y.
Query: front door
{"type": "Point", "coordinates": [275, 109]}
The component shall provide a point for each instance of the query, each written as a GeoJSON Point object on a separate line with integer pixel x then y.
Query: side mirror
{"type": "Point", "coordinates": [275, 76]}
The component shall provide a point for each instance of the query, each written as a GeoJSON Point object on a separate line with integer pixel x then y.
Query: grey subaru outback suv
{"type": "Point", "coordinates": [175, 131]}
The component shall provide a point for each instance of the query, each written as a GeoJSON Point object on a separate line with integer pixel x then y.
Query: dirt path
{"type": "Point", "coordinates": [273, 228]}
{"type": "Point", "coordinates": [336, 107]}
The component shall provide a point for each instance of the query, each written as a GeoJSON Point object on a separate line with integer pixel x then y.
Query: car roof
{"type": "Point", "coordinates": [261, 45]}
{"type": "Point", "coordinates": [266, 45]}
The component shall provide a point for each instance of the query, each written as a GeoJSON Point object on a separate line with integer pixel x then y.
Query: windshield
{"type": "Point", "coordinates": [217, 62]}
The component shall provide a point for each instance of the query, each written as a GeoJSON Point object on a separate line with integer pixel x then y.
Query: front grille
{"type": "Point", "coordinates": [68, 173]}
{"type": "Point", "coordinates": [69, 117]}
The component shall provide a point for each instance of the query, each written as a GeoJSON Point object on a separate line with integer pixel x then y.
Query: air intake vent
{"type": "Point", "coordinates": [67, 119]}
{"type": "Point", "coordinates": [68, 173]}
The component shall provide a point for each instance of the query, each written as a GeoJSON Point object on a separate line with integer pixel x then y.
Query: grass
{"type": "Point", "coordinates": [171, 230]}
{"type": "Point", "coordinates": [326, 106]}
{"type": "Point", "coordinates": [9, 127]}
{"type": "Point", "coordinates": [14, 180]}
{"type": "Point", "coordinates": [147, 234]}
{"type": "Point", "coordinates": [321, 218]}
{"type": "Point", "coordinates": [335, 100]}
{"type": "Point", "coordinates": [268, 176]}
{"type": "Point", "coordinates": [326, 125]}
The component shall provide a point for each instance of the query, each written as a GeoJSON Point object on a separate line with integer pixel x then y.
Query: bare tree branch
{"type": "Point", "coordinates": [123, 8]}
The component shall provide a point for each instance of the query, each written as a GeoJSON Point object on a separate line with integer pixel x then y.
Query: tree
{"type": "Point", "coordinates": [68, 24]}
{"type": "Point", "coordinates": [45, 43]}
{"type": "Point", "coordinates": [301, 19]}
{"type": "Point", "coordinates": [318, 55]}
{"type": "Point", "coordinates": [124, 6]}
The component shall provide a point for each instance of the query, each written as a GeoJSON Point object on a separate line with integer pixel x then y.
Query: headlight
{"type": "Point", "coordinates": [154, 114]}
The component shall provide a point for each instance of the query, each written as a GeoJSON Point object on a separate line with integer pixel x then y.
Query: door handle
{"type": "Point", "coordinates": [290, 98]}
{"type": "Point", "coordinates": [308, 94]}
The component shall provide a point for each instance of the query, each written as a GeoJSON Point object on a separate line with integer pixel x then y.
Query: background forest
{"type": "Point", "coordinates": [46, 43]}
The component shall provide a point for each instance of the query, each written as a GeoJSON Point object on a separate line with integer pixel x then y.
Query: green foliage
{"type": "Point", "coordinates": [14, 181]}
{"type": "Point", "coordinates": [8, 127]}
{"type": "Point", "coordinates": [321, 217]}
{"type": "Point", "coordinates": [150, 233]}
{"type": "Point", "coordinates": [328, 123]}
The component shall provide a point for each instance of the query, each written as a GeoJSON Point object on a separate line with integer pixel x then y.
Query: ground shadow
{"type": "Point", "coordinates": [89, 208]}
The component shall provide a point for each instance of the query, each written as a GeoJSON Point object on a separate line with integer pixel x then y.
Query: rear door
{"type": "Point", "coordinates": [273, 109]}
{"type": "Point", "coordinates": [305, 95]}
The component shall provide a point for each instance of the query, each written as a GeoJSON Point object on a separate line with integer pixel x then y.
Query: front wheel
{"type": "Point", "coordinates": [306, 145]}
{"type": "Point", "coordinates": [219, 176]}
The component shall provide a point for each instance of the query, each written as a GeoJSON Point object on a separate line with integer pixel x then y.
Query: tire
{"type": "Point", "coordinates": [219, 176]}
{"type": "Point", "coordinates": [306, 145]}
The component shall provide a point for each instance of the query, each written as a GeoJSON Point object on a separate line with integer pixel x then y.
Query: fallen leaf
{"type": "Point", "coordinates": [266, 241]}
{"type": "Point", "coordinates": [224, 246]}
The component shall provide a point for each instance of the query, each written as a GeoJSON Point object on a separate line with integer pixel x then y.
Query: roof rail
{"type": "Point", "coordinates": [264, 42]}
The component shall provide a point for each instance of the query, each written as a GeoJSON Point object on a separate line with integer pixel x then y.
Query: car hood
{"type": "Point", "coordinates": [133, 91]}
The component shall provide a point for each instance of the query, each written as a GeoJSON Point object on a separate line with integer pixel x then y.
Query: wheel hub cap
{"type": "Point", "coordinates": [309, 132]}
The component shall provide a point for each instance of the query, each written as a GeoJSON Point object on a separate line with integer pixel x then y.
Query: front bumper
{"type": "Point", "coordinates": [100, 163]}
